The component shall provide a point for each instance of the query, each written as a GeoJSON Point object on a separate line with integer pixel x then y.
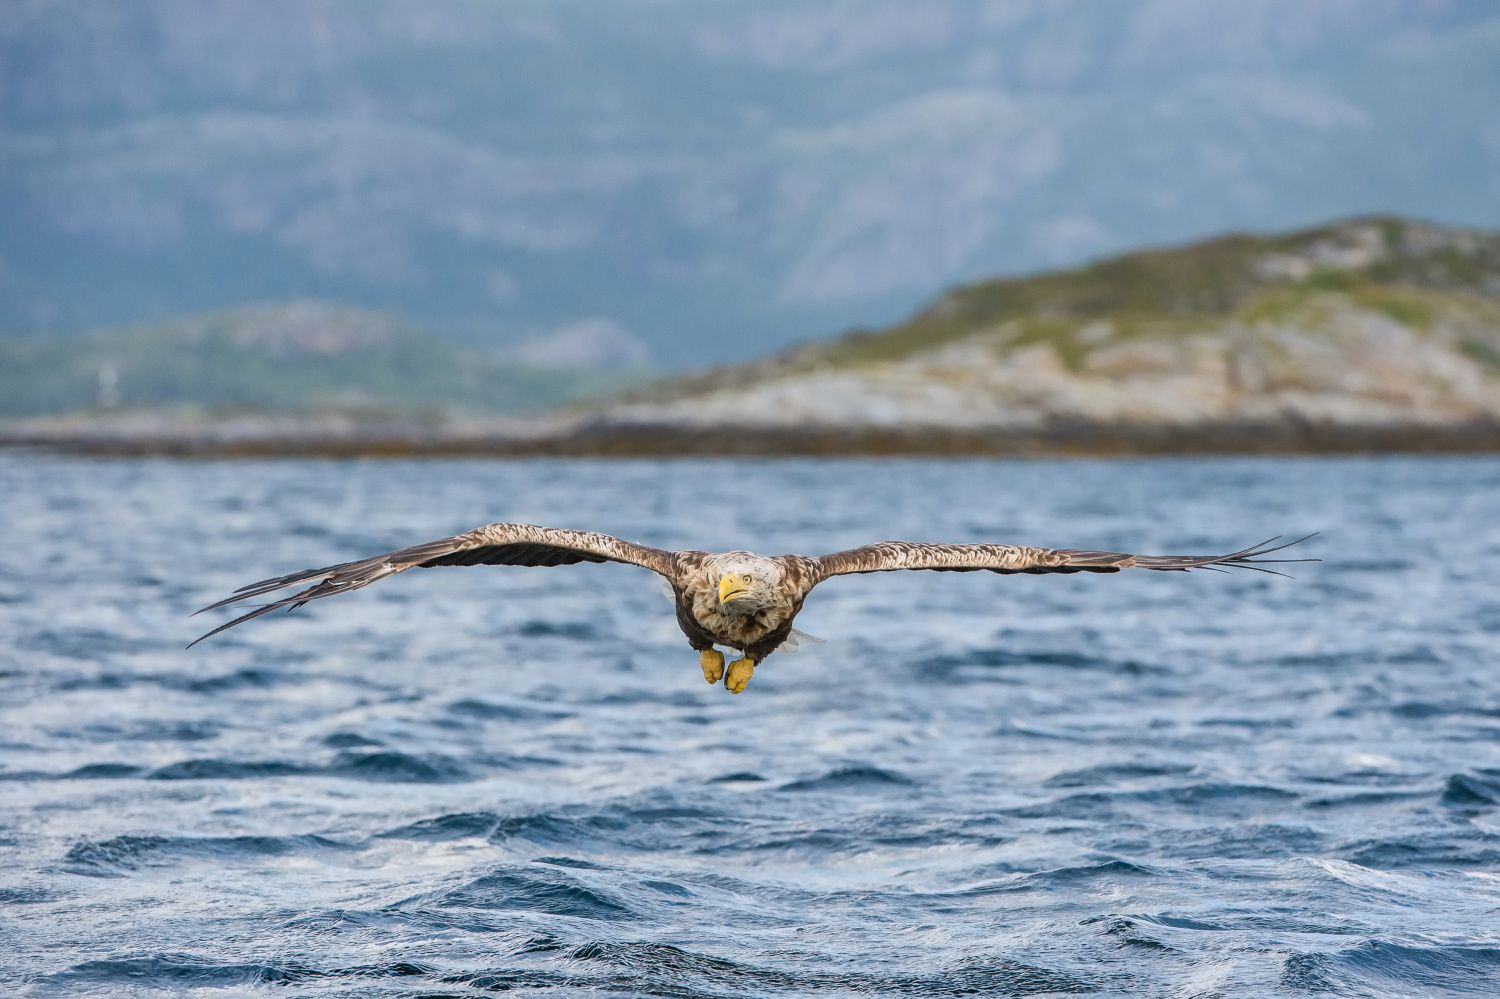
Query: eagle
{"type": "Point", "coordinates": [738, 600]}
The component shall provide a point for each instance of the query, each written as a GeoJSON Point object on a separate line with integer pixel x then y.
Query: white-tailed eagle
{"type": "Point", "coordinates": [738, 600]}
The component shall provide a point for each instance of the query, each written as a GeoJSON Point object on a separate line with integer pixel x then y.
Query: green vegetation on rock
{"type": "Point", "coordinates": [1373, 259]}
{"type": "Point", "coordinates": [1404, 269]}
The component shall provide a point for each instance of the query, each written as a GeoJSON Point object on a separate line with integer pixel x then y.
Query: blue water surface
{"type": "Point", "coordinates": [470, 780]}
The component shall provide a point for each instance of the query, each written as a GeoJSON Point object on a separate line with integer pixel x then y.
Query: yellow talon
{"type": "Point", "coordinates": [712, 661]}
{"type": "Point", "coordinates": [740, 672]}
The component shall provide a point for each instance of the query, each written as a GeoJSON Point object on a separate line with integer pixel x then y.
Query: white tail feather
{"type": "Point", "coordinates": [796, 638]}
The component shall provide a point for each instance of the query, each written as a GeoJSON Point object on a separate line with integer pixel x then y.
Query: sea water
{"type": "Point", "coordinates": [469, 780]}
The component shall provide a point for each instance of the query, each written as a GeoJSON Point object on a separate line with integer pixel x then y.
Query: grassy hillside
{"type": "Point", "coordinates": [1396, 266]}
{"type": "Point", "coordinates": [300, 356]}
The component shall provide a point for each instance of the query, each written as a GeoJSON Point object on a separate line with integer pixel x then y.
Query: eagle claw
{"type": "Point", "coordinates": [740, 672]}
{"type": "Point", "coordinates": [712, 661]}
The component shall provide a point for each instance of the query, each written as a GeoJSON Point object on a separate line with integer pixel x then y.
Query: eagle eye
{"type": "Point", "coordinates": [747, 577]}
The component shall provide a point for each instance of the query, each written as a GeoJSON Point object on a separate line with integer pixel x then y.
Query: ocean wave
{"type": "Point", "coordinates": [1480, 789]}
{"type": "Point", "coordinates": [186, 971]}
{"type": "Point", "coordinates": [1463, 847]}
{"type": "Point", "coordinates": [1394, 969]}
{"type": "Point", "coordinates": [241, 679]}
{"type": "Point", "coordinates": [976, 665]}
{"type": "Point", "coordinates": [147, 731]}
{"type": "Point", "coordinates": [102, 771]}
{"type": "Point", "coordinates": [1198, 799]}
{"type": "Point", "coordinates": [474, 708]}
{"type": "Point", "coordinates": [461, 825]}
{"type": "Point", "coordinates": [349, 740]}
{"type": "Point", "coordinates": [1368, 799]}
{"type": "Point", "coordinates": [540, 888]}
{"type": "Point", "coordinates": [393, 767]}
{"type": "Point", "coordinates": [384, 767]}
{"type": "Point", "coordinates": [851, 779]}
{"type": "Point", "coordinates": [661, 969]}
{"type": "Point", "coordinates": [211, 769]}
{"type": "Point", "coordinates": [1109, 872]}
{"type": "Point", "coordinates": [637, 826]}
{"type": "Point", "coordinates": [1251, 841]}
{"type": "Point", "coordinates": [578, 631]}
{"type": "Point", "coordinates": [113, 857]}
{"type": "Point", "coordinates": [85, 644]}
{"type": "Point", "coordinates": [1112, 773]}
{"type": "Point", "coordinates": [29, 895]}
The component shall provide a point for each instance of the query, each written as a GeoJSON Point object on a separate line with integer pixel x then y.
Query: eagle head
{"type": "Point", "coordinates": [747, 583]}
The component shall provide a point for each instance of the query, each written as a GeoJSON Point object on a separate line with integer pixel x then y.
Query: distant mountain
{"type": "Point", "coordinates": [303, 356]}
{"type": "Point", "coordinates": [589, 343]}
{"type": "Point", "coordinates": [1329, 334]}
{"type": "Point", "coordinates": [718, 179]}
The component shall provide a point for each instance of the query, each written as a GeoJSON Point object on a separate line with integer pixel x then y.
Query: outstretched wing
{"type": "Point", "coordinates": [496, 544]}
{"type": "Point", "coordinates": [888, 556]}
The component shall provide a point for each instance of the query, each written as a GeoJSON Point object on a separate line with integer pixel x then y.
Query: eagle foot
{"type": "Point", "coordinates": [712, 661]}
{"type": "Point", "coordinates": [740, 672]}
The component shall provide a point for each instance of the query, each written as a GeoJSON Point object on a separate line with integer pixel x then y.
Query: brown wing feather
{"type": "Point", "coordinates": [889, 556]}
{"type": "Point", "coordinates": [495, 544]}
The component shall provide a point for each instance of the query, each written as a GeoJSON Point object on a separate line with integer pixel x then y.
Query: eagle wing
{"type": "Point", "coordinates": [495, 544]}
{"type": "Point", "coordinates": [888, 556]}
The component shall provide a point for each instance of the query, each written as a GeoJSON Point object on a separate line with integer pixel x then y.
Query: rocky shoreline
{"type": "Point", "coordinates": [331, 438]}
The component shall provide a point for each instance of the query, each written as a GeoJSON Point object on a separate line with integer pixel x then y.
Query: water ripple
{"type": "Point", "coordinates": [478, 780]}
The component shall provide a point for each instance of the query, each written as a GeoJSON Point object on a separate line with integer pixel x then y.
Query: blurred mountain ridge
{"type": "Point", "coordinates": [720, 179]}
{"type": "Point", "coordinates": [306, 356]}
{"type": "Point", "coordinates": [597, 343]}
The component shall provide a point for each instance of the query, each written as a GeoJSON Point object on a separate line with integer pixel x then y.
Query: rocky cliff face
{"type": "Point", "coordinates": [1363, 324]}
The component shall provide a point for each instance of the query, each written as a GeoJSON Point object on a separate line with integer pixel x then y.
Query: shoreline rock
{"type": "Point", "coordinates": [582, 438]}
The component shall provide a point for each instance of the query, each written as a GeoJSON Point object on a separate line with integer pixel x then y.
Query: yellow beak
{"type": "Point", "coordinates": [729, 588]}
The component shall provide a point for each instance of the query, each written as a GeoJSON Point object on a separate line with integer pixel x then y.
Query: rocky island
{"type": "Point", "coordinates": [1364, 335]}
{"type": "Point", "coordinates": [1367, 334]}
